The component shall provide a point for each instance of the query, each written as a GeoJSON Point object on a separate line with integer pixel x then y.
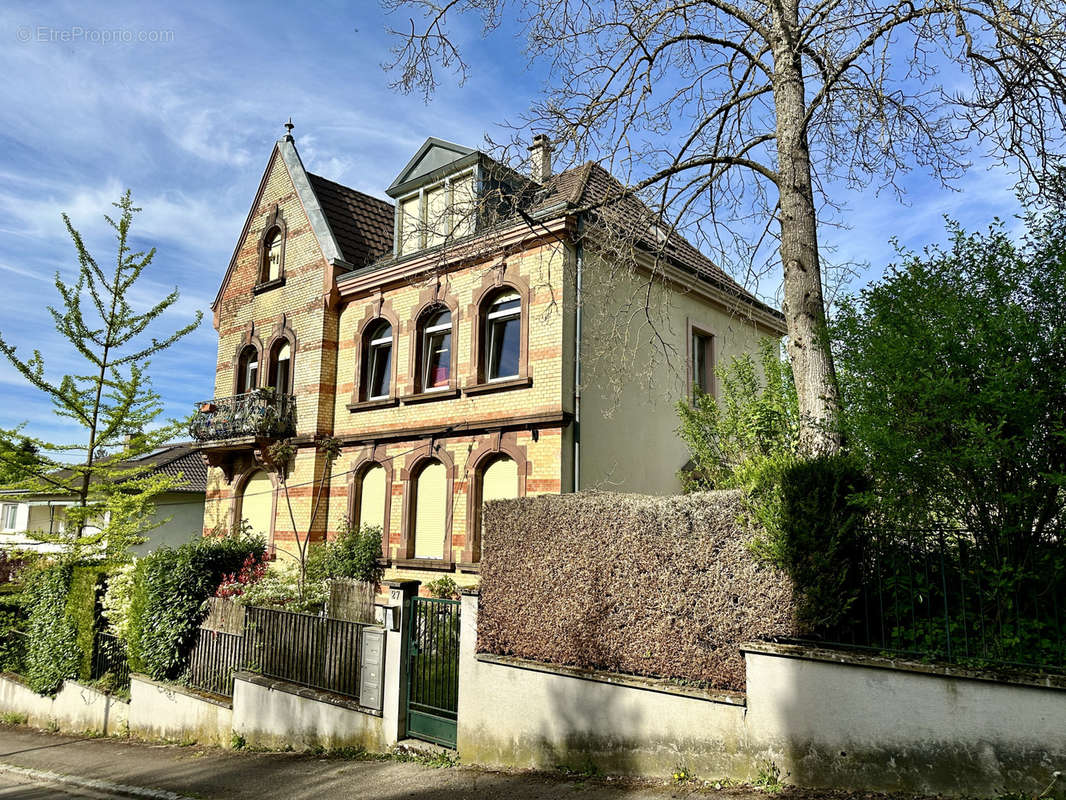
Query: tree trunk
{"type": "Point", "coordinates": [804, 305]}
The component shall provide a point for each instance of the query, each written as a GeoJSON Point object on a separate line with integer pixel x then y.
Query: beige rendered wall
{"type": "Point", "coordinates": [165, 711]}
{"type": "Point", "coordinates": [849, 723]}
{"type": "Point", "coordinates": [279, 718]}
{"type": "Point", "coordinates": [511, 716]}
{"type": "Point", "coordinates": [76, 708]}
{"type": "Point", "coordinates": [629, 387]}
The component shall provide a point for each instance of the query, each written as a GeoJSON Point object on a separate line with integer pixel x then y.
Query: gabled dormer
{"type": "Point", "coordinates": [447, 192]}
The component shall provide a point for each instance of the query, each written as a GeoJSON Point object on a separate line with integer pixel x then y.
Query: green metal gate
{"type": "Point", "coordinates": [433, 670]}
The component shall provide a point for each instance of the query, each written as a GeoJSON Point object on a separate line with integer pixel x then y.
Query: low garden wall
{"type": "Point", "coordinates": [812, 717]}
{"type": "Point", "coordinates": [277, 715]}
{"type": "Point", "coordinates": [173, 713]}
{"type": "Point", "coordinates": [832, 718]}
{"type": "Point", "coordinates": [75, 708]}
{"type": "Point", "coordinates": [662, 586]}
{"type": "Point", "coordinates": [528, 715]}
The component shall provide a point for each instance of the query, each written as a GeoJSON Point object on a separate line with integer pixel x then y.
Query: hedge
{"type": "Point", "coordinates": [52, 654]}
{"type": "Point", "coordinates": [83, 610]}
{"type": "Point", "coordinates": [656, 586]}
{"type": "Point", "coordinates": [170, 587]}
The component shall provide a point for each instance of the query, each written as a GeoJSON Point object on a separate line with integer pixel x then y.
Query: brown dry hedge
{"type": "Point", "coordinates": [656, 586]}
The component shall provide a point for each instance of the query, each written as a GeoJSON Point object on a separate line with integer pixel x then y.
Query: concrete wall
{"type": "Point", "coordinates": [823, 718]}
{"type": "Point", "coordinates": [894, 726]}
{"type": "Point", "coordinates": [76, 708]}
{"type": "Point", "coordinates": [275, 715]}
{"type": "Point", "coordinates": [519, 714]}
{"type": "Point", "coordinates": [164, 711]}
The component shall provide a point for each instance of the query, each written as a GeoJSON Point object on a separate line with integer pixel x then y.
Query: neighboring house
{"type": "Point", "coordinates": [463, 344]}
{"type": "Point", "coordinates": [182, 507]}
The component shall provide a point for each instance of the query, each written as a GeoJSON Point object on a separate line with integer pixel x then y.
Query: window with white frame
{"type": "Point", "coordinates": [9, 516]}
{"type": "Point", "coordinates": [503, 336]}
{"type": "Point", "coordinates": [436, 350]}
{"type": "Point", "coordinates": [436, 213]}
{"type": "Point", "coordinates": [377, 361]}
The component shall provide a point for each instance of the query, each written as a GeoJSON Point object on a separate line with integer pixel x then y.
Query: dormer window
{"type": "Point", "coordinates": [437, 213]}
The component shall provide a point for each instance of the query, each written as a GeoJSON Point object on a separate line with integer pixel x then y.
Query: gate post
{"type": "Point", "coordinates": [394, 710]}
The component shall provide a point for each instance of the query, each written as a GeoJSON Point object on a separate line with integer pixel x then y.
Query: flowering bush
{"type": "Point", "coordinates": [251, 572]}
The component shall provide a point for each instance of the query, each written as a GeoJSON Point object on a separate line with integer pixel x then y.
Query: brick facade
{"type": "Point", "coordinates": [322, 308]}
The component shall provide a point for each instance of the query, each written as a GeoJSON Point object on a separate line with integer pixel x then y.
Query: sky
{"type": "Point", "coordinates": [182, 105]}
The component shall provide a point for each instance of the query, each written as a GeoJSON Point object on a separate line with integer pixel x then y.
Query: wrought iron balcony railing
{"type": "Point", "coordinates": [261, 412]}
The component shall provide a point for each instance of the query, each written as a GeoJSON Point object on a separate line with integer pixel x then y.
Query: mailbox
{"type": "Point", "coordinates": [372, 669]}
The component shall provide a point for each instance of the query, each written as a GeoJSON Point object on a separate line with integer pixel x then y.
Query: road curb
{"type": "Point", "coordinates": [118, 789]}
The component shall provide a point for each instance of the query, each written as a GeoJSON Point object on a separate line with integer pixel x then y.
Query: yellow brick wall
{"type": "Point", "coordinates": [542, 269]}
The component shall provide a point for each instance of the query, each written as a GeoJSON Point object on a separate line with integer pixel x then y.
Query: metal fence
{"type": "Point", "coordinates": [109, 658]}
{"type": "Point", "coordinates": [943, 595]}
{"type": "Point", "coordinates": [317, 652]}
{"type": "Point", "coordinates": [215, 657]}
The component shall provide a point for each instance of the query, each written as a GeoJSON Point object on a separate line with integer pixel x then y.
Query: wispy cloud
{"type": "Point", "coordinates": [188, 123]}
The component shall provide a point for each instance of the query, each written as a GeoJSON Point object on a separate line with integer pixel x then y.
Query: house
{"type": "Point", "coordinates": [475, 338]}
{"type": "Point", "coordinates": [23, 512]}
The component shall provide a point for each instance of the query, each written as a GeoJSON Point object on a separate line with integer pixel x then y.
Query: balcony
{"type": "Point", "coordinates": [261, 413]}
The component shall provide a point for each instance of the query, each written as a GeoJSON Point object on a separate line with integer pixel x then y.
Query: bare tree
{"type": "Point", "coordinates": [719, 113]}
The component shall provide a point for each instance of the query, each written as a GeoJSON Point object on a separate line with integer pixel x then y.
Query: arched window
{"type": "Point", "coordinates": [257, 504]}
{"type": "Point", "coordinates": [373, 495]}
{"type": "Point", "coordinates": [248, 369]}
{"type": "Point", "coordinates": [377, 361]}
{"type": "Point", "coordinates": [502, 336]}
{"type": "Point", "coordinates": [429, 510]}
{"type": "Point", "coordinates": [281, 367]}
{"type": "Point", "coordinates": [435, 350]}
{"type": "Point", "coordinates": [498, 480]}
{"type": "Point", "coordinates": [271, 267]}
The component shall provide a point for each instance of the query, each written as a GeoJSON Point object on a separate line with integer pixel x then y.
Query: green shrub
{"type": "Point", "coordinates": [168, 593]}
{"type": "Point", "coordinates": [12, 632]}
{"type": "Point", "coordinates": [813, 512]}
{"type": "Point", "coordinates": [353, 554]}
{"type": "Point", "coordinates": [280, 588]}
{"type": "Point", "coordinates": [52, 654]}
{"type": "Point", "coordinates": [83, 610]}
{"type": "Point", "coordinates": [444, 587]}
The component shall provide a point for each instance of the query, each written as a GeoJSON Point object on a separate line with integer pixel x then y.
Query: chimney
{"type": "Point", "coordinates": [540, 156]}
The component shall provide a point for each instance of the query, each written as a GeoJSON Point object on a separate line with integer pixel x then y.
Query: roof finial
{"type": "Point", "coordinates": [288, 129]}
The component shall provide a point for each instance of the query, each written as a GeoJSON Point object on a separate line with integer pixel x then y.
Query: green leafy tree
{"type": "Point", "coordinates": [19, 459]}
{"type": "Point", "coordinates": [110, 399]}
{"type": "Point", "coordinates": [754, 421]}
{"type": "Point", "coordinates": [954, 373]}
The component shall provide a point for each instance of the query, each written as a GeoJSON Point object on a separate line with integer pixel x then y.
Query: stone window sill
{"type": "Point", "coordinates": [268, 285]}
{"type": "Point", "coordinates": [498, 386]}
{"type": "Point", "coordinates": [423, 563]}
{"type": "Point", "coordinates": [426, 397]}
{"type": "Point", "coordinates": [367, 405]}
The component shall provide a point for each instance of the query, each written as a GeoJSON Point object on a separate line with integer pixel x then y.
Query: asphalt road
{"type": "Point", "coordinates": [119, 768]}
